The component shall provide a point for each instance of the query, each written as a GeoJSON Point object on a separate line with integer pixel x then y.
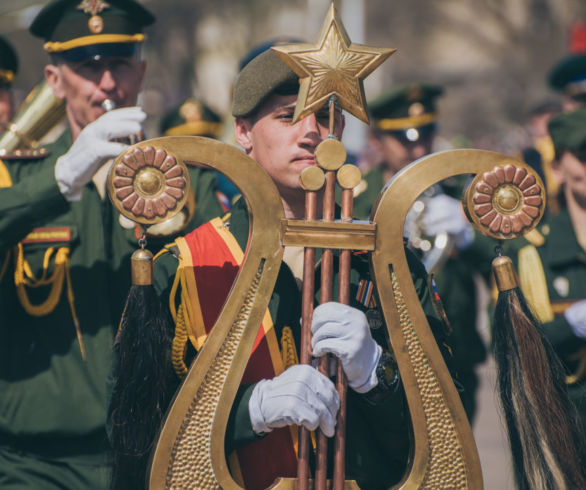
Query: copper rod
{"type": "Point", "coordinates": [341, 383]}
{"type": "Point", "coordinates": [307, 295]}
{"type": "Point", "coordinates": [327, 275]}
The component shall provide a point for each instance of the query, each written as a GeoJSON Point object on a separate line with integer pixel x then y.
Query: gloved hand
{"type": "Point", "coordinates": [344, 332]}
{"type": "Point", "coordinates": [92, 149]}
{"type": "Point", "coordinates": [443, 214]}
{"type": "Point", "coordinates": [576, 316]}
{"type": "Point", "coordinates": [299, 396]}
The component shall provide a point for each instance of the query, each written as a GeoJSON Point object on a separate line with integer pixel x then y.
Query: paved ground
{"type": "Point", "coordinates": [489, 433]}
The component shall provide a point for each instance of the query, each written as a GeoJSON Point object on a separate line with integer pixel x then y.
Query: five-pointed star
{"type": "Point", "coordinates": [333, 66]}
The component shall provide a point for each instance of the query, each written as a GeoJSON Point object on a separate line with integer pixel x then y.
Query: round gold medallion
{"type": "Point", "coordinates": [506, 202]}
{"type": "Point", "coordinates": [330, 154]}
{"type": "Point", "coordinates": [95, 24]}
{"type": "Point", "coordinates": [148, 185]}
{"type": "Point", "coordinates": [312, 178]}
{"type": "Point", "coordinates": [348, 176]}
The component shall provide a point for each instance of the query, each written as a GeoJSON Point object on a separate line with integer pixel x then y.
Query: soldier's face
{"type": "Point", "coordinates": [571, 171]}
{"type": "Point", "coordinates": [85, 85]}
{"type": "Point", "coordinates": [398, 152]}
{"type": "Point", "coordinates": [282, 149]}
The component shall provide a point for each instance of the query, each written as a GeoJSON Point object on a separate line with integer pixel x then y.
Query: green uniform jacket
{"type": "Point", "coordinates": [564, 265]}
{"type": "Point", "coordinates": [378, 435]}
{"type": "Point", "coordinates": [52, 402]}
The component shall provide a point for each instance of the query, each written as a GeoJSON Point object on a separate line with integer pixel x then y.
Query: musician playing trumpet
{"type": "Point", "coordinates": [276, 394]}
{"type": "Point", "coordinates": [56, 314]}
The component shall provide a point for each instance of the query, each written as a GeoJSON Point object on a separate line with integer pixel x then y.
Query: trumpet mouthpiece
{"type": "Point", "coordinates": [108, 105]}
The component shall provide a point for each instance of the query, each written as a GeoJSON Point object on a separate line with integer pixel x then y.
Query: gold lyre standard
{"type": "Point", "coordinates": [504, 200]}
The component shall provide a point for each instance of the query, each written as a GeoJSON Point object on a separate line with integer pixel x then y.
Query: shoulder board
{"type": "Point", "coordinates": [25, 154]}
{"type": "Point", "coordinates": [535, 238]}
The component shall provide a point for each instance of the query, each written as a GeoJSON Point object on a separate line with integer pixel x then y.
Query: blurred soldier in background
{"type": "Point", "coordinates": [568, 76]}
{"type": "Point", "coordinates": [552, 259]}
{"type": "Point", "coordinates": [57, 313]}
{"type": "Point", "coordinates": [8, 70]}
{"type": "Point", "coordinates": [404, 128]}
{"type": "Point", "coordinates": [194, 118]}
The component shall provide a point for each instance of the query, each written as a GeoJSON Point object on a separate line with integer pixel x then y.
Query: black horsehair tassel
{"type": "Point", "coordinates": [542, 423]}
{"type": "Point", "coordinates": [144, 382]}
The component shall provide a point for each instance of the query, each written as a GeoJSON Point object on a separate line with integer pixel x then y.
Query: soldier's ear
{"type": "Point", "coordinates": [242, 127]}
{"type": "Point", "coordinates": [55, 81]}
{"type": "Point", "coordinates": [556, 166]}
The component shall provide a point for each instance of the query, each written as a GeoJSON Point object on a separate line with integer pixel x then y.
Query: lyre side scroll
{"type": "Point", "coordinates": [440, 427]}
{"type": "Point", "coordinates": [190, 450]}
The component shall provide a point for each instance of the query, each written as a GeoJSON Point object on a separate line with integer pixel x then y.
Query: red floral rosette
{"type": "Point", "coordinates": [506, 202]}
{"type": "Point", "coordinates": [148, 185]}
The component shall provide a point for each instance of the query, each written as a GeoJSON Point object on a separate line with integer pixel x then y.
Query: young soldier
{"type": "Point", "coordinates": [552, 261]}
{"type": "Point", "coordinates": [8, 70]}
{"type": "Point", "coordinates": [274, 393]}
{"type": "Point", "coordinates": [56, 313]}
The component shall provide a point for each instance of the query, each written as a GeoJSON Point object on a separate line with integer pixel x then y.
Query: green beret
{"type": "Point", "coordinates": [264, 75]}
{"type": "Point", "coordinates": [568, 131]}
{"type": "Point", "coordinates": [192, 118]}
{"type": "Point", "coordinates": [569, 75]}
{"type": "Point", "coordinates": [406, 106]}
{"type": "Point", "coordinates": [79, 25]}
{"type": "Point", "coordinates": [8, 63]}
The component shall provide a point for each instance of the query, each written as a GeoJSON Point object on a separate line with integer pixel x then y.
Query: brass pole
{"type": "Point", "coordinates": [307, 295]}
{"type": "Point", "coordinates": [327, 274]}
{"type": "Point", "coordinates": [341, 383]}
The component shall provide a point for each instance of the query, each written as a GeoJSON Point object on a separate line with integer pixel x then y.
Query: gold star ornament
{"type": "Point", "coordinates": [332, 66]}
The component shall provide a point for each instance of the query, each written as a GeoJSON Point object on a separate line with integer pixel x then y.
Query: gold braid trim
{"type": "Point", "coordinates": [179, 345]}
{"type": "Point", "coordinates": [5, 179]}
{"type": "Point", "coordinates": [24, 277]}
{"type": "Point", "coordinates": [288, 350]}
{"type": "Point", "coordinates": [534, 284]}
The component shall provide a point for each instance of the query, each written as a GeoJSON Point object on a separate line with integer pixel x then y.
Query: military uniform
{"type": "Point", "coordinates": [52, 402]}
{"type": "Point", "coordinates": [58, 314]}
{"type": "Point", "coordinates": [378, 433]}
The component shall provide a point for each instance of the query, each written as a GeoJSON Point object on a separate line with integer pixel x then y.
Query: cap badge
{"type": "Point", "coordinates": [94, 7]}
{"type": "Point", "coordinates": [191, 111]}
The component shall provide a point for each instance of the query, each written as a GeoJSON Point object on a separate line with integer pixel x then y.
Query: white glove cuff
{"type": "Point", "coordinates": [372, 380]}
{"type": "Point", "coordinates": [64, 183]}
{"type": "Point", "coordinates": [256, 418]}
{"type": "Point", "coordinates": [575, 315]}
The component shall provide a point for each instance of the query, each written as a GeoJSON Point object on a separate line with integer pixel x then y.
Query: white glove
{"type": "Point", "coordinates": [576, 316]}
{"type": "Point", "coordinates": [93, 148]}
{"type": "Point", "coordinates": [344, 332]}
{"type": "Point", "coordinates": [299, 396]}
{"type": "Point", "coordinates": [443, 214]}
